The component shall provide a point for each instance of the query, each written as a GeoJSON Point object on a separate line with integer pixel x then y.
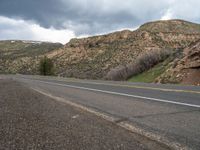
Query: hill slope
{"type": "Point", "coordinates": [185, 69]}
{"type": "Point", "coordinates": [94, 57]}
{"type": "Point", "coordinates": [174, 26]}
{"type": "Point", "coordinates": [23, 56]}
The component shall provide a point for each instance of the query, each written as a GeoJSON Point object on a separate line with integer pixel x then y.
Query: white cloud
{"type": "Point", "coordinates": [27, 30]}
{"type": "Point", "coordinates": [168, 15]}
{"type": "Point", "coordinates": [184, 9]}
{"type": "Point", "coordinates": [51, 34]}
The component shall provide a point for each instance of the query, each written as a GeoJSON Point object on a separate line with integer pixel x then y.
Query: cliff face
{"type": "Point", "coordinates": [93, 57]}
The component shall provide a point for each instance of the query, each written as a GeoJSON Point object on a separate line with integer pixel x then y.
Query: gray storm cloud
{"type": "Point", "coordinates": [89, 17]}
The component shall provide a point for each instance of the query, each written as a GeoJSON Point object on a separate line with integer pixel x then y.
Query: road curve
{"type": "Point", "coordinates": [173, 112]}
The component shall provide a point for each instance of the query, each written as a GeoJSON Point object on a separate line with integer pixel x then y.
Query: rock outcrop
{"type": "Point", "coordinates": [185, 70]}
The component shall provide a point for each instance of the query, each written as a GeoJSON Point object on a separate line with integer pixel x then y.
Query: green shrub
{"type": "Point", "coordinates": [46, 66]}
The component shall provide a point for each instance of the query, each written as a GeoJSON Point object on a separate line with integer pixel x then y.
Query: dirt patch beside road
{"type": "Point", "coordinates": [193, 77]}
{"type": "Point", "coordinates": [29, 120]}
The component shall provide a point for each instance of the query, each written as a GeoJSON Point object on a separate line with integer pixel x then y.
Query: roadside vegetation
{"type": "Point", "coordinates": [143, 63]}
{"type": "Point", "coordinates": [150, 75]}
{"type": "Point", "coordinates": [46, 66]}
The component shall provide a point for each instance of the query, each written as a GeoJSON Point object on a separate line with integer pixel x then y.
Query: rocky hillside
{"type": "Point", "coordinates": [185, 69]}
{"type": "Point", "coordinates": [23, 56]}
{"type": "Point", "coordinates": [94, 57]}
{"type": "Point", "coordinates": [174, 26]}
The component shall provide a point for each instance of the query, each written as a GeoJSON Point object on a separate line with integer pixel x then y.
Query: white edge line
{"type": "Point", "coordinates": [122, 94]}
{"type": "Point", "coordinates": [124, 85]}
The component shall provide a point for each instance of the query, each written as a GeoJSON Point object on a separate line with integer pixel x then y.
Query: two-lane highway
{"type": "Point", "coordinates": [173, 112]}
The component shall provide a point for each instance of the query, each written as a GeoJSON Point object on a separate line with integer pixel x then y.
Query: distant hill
{"type": "Point", "coordinates": [94, 57]}
{"type": "Point", "coordinates": [23, 56]}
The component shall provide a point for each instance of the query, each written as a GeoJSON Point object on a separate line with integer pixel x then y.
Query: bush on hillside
{"type": "Point", "coordinates": [141, 64]}
{"type": "Point", "coordinates": [46, 66]}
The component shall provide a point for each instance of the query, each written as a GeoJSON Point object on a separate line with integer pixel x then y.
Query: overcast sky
{"type": "Point", "coordinates": [61, 20]}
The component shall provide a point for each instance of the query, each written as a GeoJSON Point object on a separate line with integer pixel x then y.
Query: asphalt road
{"type": "Point", "coordinates": [170, 111]}
{"type": "Point", "coordinates": [30, 120]}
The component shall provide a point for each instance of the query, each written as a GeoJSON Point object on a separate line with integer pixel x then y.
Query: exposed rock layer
{"type": "Point", "coordinates": [186, 69]}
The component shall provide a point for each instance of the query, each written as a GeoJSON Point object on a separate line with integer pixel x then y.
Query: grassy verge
{"type": "Point", "coordinates": [150, 75]}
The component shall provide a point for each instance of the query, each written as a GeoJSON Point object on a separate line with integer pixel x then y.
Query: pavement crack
{"type": "Point", "coordinates": [120, 120]}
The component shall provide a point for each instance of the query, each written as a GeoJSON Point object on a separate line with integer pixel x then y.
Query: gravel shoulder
{"type": "Point", "coordinates": [29, 120]}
